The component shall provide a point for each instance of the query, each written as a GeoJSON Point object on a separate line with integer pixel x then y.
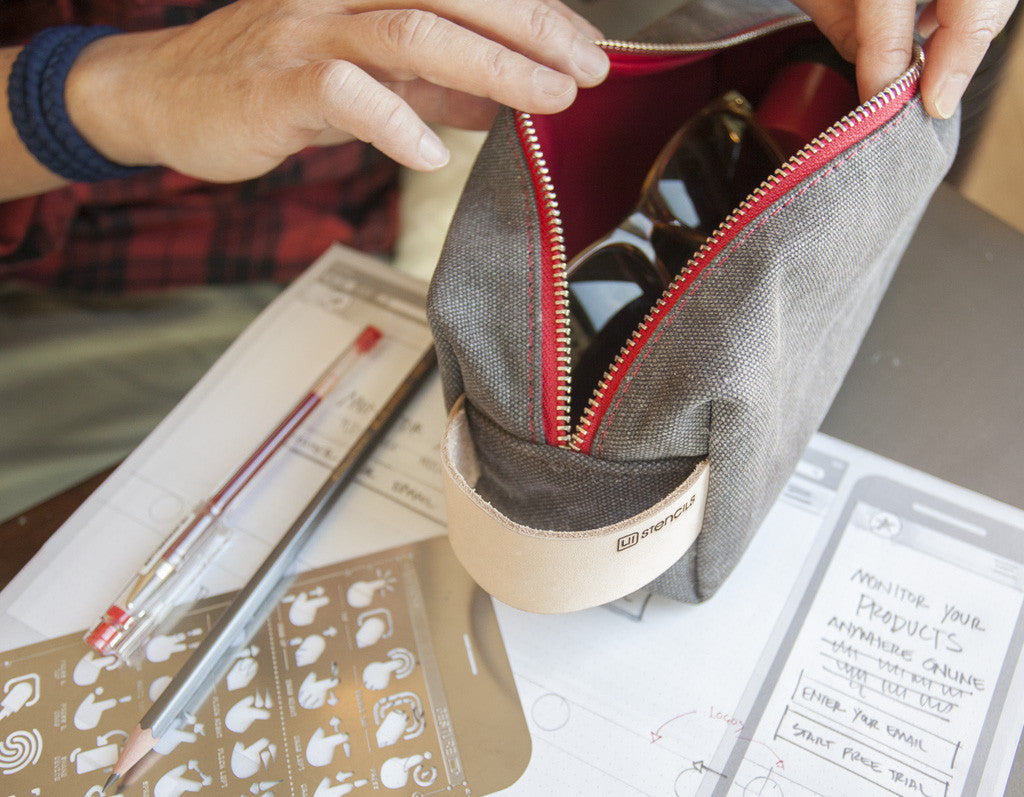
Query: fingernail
{"type": "Point", "coordinates": [432, 150]}
{"type": "Point", "coordinates": [551, 82]}
{"type": "Point", "coordinates": [948, 95]}
{"type": "Point", "coordinates": [590, 59]}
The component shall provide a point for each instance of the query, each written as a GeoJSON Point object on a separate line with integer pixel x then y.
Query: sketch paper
{"type": "Point", "coordinates": [644, 696]}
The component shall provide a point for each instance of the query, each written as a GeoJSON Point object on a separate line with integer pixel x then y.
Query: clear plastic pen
{"type": "Point", "coordinates": [251, 606]}
{"type": "Point", "coordinates": [173, 568]}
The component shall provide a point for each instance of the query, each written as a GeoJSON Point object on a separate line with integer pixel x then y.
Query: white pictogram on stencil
{"type": "Point", "coordinates": [18, 750]}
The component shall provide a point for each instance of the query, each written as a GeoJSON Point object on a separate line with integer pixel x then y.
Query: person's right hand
{"type": "Point", "coordinates": [878, 35]}
{"type": "Point", "coordinates": [230, 96]}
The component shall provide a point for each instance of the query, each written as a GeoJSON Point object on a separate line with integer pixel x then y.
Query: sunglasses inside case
{"type": "Point", "coordinates": [600, 149]}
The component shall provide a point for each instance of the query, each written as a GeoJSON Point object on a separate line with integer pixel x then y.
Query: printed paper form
{"type": "Point", "coordinates": [661, 702]}
{"type": "Point", "coordinates": [645, 697]}
{"type": "Point", "coordinates": [219, 422]}
{"type": "Point", "coordinates": [897, 672]}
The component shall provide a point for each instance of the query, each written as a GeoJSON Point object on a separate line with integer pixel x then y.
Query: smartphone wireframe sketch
{"type": "Point", "coordinates": [894, 670]}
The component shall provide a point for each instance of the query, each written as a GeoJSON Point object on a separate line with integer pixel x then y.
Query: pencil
{"type": "Point", "coordinates": [253, 604]}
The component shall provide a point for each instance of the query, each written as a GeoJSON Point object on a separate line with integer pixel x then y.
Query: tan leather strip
{"type": "Point", "coordinates": [555, 571]}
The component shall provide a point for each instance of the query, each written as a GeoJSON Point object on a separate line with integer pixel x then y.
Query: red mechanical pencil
{"type": "Point", "coordinates": [174, 566]}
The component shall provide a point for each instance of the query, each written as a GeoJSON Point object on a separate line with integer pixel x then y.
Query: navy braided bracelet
{"type": "Point", "coordinates": [35, 96]}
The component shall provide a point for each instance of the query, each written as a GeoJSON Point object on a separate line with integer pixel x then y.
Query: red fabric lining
{"type": "Point", "coordinates": [599, 150]}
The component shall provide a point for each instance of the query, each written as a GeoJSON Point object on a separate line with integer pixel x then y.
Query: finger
{"type": "Point", "coordinates": [885, 32]}
{"type": "Point", "coordinates": [956, 48]}
{"type": "Point", "coordinates": [461, 10]}
{"type": "Point", "coordinates": [432, 104]}
{"type": "Point", "coordinates": [409, 44]}
{"type": "Point", "coordinates": [543, 30]}
{"type": "Point", "coordinates": [438, 105]}
{"type": "Point", "coordinates": [339, 95]}
{"type": "Point", "coordinates": [583, 25]}
{"type": "Point", "coordinates": [331, 137]}
{"type": "Point", "coordinates": [835, 19]}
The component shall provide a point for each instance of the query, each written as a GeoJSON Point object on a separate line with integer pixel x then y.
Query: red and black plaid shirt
{"type": "Point", "coordinates": [159, 228]}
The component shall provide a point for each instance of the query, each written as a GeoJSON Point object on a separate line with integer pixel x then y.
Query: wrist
{"type": "Point", "coordinates": [109, 97]}
{"type": "Point", "coordinates": [36, 88]}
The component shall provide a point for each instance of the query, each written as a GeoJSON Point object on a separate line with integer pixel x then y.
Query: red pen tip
{"type": "Point", "coordinates": [102, 637]}
{"type": "Point", "coordinates": [106, 633]}
{"type": "Point", "coordinates": [368, 339]}
{"type": "Point", "coordinates": [119, 616]}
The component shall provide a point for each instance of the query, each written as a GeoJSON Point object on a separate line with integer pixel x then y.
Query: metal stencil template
{"type": "Point", "coordinates": [383, 674]}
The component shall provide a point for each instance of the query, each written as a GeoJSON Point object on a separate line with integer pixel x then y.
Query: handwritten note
{"type": "Point", "coordinates": [896, 664]}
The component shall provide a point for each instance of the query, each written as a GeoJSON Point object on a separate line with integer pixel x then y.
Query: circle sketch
{"type": "Point", "coordinates": [550, 712]}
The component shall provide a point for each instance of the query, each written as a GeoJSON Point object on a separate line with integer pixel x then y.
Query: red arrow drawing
{"type": "Point", "coordinates": [656, 735]}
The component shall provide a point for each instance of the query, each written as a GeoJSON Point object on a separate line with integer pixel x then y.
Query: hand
{"type": "Point", "coordinates": [233, 94]}
{"type": "Point", "coordinates": [877, 36]}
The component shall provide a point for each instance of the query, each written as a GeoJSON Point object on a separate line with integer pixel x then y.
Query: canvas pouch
{"type": "Point", "coordinates": [704, 415]}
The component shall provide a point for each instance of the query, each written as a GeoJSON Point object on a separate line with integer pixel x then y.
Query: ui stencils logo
{"type": "Point", "coordinates": [629, 540]}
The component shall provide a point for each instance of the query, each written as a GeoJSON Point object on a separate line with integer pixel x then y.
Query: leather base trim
{"type": "Point", "coordinates": [546, 571]}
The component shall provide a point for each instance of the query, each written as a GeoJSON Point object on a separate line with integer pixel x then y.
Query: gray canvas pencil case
{"type": "Point", "coordinates": [661, 477]}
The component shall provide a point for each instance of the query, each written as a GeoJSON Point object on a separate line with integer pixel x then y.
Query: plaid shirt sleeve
{"type": "Point", "coordinates": [160, 229]}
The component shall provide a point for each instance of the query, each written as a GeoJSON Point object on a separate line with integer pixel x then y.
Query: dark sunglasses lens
{"type": "Point", "coordinates": [605, 281]}
{"type": "Point", "coordinates": [610, 292]}
{"type": "Point", "coordinates": [714, 168]}
{"type": "Point", "coordinates": [674, 245]}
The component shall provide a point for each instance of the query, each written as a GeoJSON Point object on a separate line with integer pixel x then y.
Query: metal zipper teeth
{"type": "Point", "coordinates": [654, 48]}
{"type": "Point", "coordinates": [763, 193]}
{"type": "Point", "coordinates": [552, 220]}
{"type": "Point", "coordinates": [551, 223]}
